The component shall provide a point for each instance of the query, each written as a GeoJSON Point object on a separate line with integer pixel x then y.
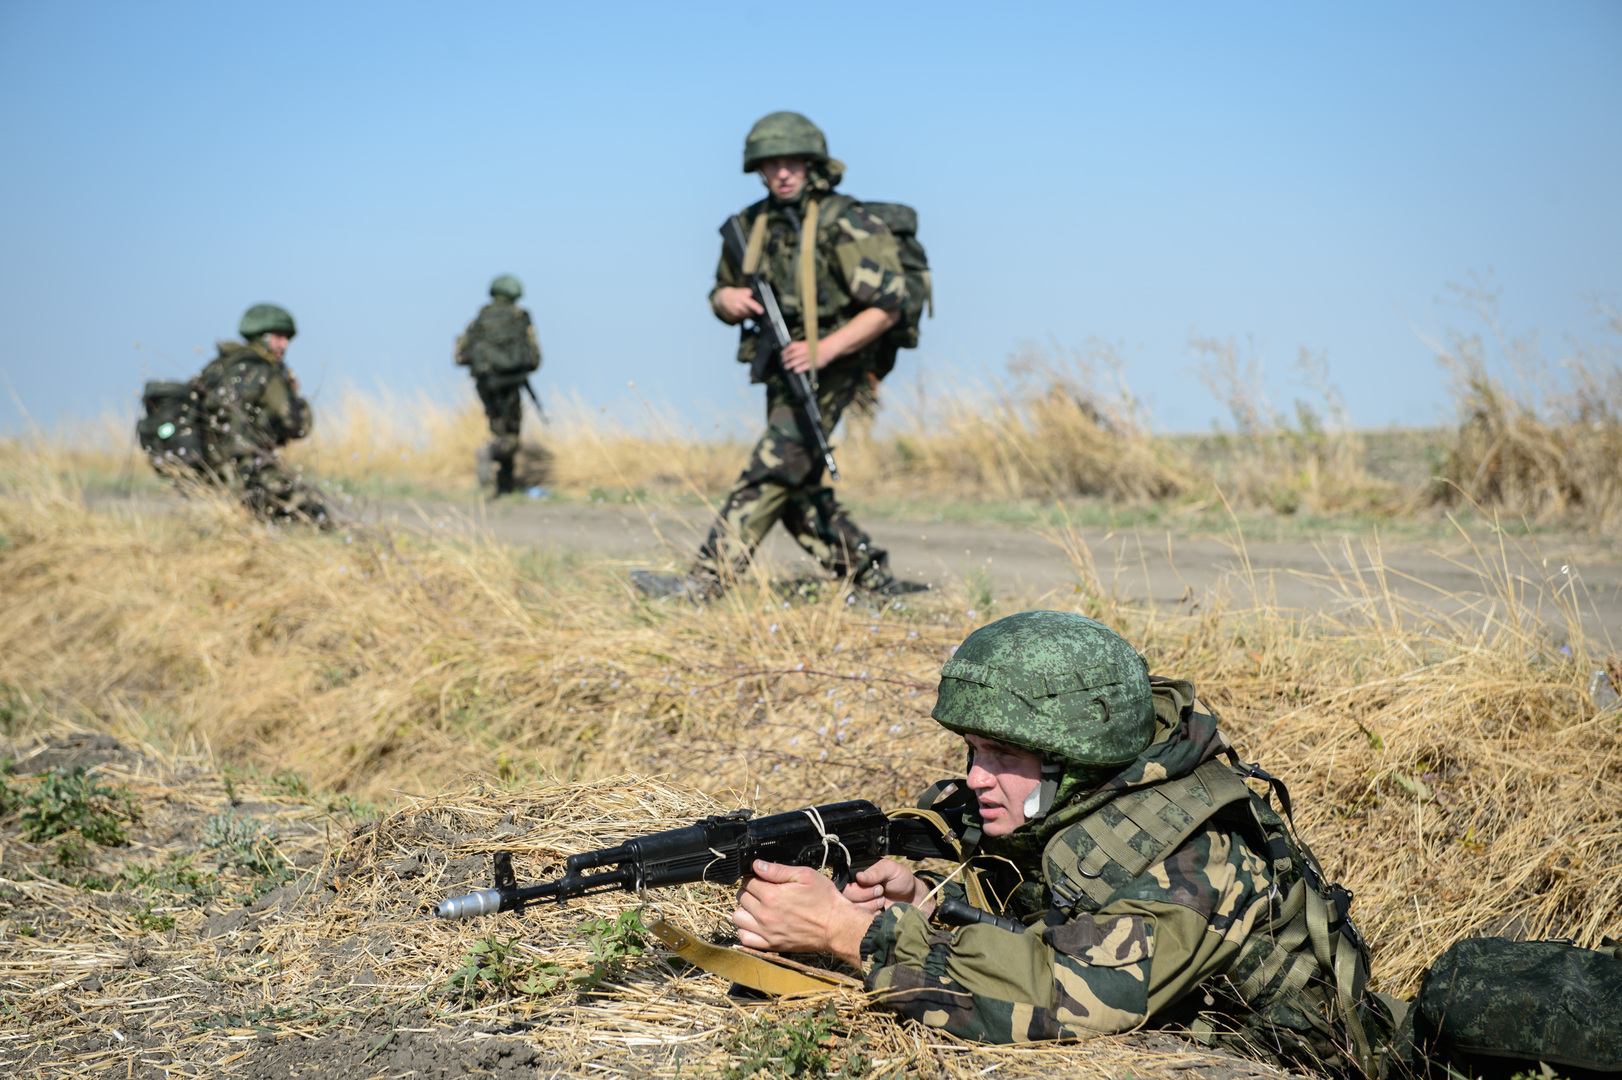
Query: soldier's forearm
{"type": "Point", "coordinates": [866, 328]}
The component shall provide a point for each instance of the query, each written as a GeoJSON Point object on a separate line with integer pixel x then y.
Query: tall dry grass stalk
{"type": "Point", "coordinates": [1546, 449]}
{"type": "Point", "coordinates": [1311, 461]}
{"type": "Point", "coordinates": [1449, 768]}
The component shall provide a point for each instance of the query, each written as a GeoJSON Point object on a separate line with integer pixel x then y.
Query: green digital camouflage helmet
{"type": "Point", "coordinates": [266, 319]}
{"type": "Point", "coordinates": [508, 286]}
{"type": "Point", "coordinates": [1058, 684]}
{"type": "Point", "coordinates": [783, 134]}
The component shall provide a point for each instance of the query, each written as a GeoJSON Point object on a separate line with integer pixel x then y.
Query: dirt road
{"type": "Point", "coordinates": [1028, 565]}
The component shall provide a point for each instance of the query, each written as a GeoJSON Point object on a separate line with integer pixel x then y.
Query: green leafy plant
{"type": "Point", "coordinates": [612, 942]}
{"type": "Point", "coordinates": [244, 842]}
{"type": "Point", "coordinates": [63, 802]}
{"type": "Point", "coordinates": [177, 878]}
{"type": "Point", "coordinates": [495, 968]}
{"type": "Point", "coordinates": [801, 1044]}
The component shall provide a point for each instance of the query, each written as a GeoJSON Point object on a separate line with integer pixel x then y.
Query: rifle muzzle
{"type": "Point", "coordinates": [483, 902]}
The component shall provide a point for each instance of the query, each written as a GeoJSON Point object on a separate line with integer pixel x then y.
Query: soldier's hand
{"type": "Point", "coordinates": [795, 909]}
{"type": "Point", "coordinates": [797, 357]}
{"type": "Point", "coordinates": [884, 883]}
{"type": "Point", "coordinates": [734, 305]}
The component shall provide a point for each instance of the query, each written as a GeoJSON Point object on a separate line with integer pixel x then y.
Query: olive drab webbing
{"type": "Point", "coordinates": [1308, 959]}
{"type": "Point", "coordinates": [811, 311]}
{"type": "Point", "coordinates": [757, 245]}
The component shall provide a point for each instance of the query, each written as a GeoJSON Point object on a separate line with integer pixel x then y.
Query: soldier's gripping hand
{"type": "Point", "coordinates": [734, 304]}
{"type": "Point", "coordinates": [796, 909]}
{"type": "Point", "coordinates": [888, 882]}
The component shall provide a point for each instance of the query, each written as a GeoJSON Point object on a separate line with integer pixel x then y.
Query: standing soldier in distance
{"type": "Point", "coordinates": [856, 275]}
{"type": "Point", "coordinates": [250, 407]}
{"type": "Point", "coordinates": [500, 349]}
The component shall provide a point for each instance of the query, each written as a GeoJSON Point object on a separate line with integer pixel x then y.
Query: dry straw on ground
{"type": "Point", "coordinates": [340, 971]}
{"type": "Point", "coordinates": [1451, 769]}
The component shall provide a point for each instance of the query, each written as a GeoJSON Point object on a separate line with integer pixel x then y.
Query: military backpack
{"type": "Point", "coordinates": [1491, 1007]}
{"type": "Point", "coordinates": [498, 348]}
{"type": "Point", "coordinates": [171, 431]}
{"type": "Point", "coordinates": [902, 220]}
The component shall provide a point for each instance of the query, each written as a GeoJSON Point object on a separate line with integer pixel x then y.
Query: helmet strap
{"type": "Point", "coordinates": [1040, 800]}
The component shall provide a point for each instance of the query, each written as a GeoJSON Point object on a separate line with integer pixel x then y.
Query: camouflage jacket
{"type": "Point", "coordinates": [1214, 904]}
{"type": "Point", "coordinates": [858, 266]}
{"type": "Point", "coordinates": [499, 346]}
{"type": "Point", "coordinates": [250, 403]}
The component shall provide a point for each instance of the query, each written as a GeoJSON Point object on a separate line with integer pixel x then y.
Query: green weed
{"type": "Point", "coordinates": [802, 1044]}
{"type": "Point", "coordinates": [246, 843]}
{"type": "Point", "coordinates": [497, 968]}
{"type": "Point", "coordinates": [176, 879]}
{"type": "Point", "coordinates": [612, 942]}
{"type": "Point", "coordinates": [61, 802]}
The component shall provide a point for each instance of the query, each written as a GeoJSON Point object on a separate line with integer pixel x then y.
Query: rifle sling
{"type": "Point", "coordinates": [773, 976]}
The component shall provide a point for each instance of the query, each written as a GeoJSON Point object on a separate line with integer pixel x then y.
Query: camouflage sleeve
{"type": "Point", "coordinates": [728, 275]}
{"type": "Point", "coordinates": [868, 259]}
{"type": "Point", "coordinates": [1177, 924]}
{"type": "Point", "coordinates": [282, 413]}
{"type": "Point", "coordinates": [464, 357]}
{"type": "Point", "coordinates": [532, 343]}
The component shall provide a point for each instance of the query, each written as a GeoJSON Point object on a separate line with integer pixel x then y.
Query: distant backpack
{"type": "Point", "coordinates": [903, 222]}
{"type": "Point", "coordinates": [1491, 1007]}
{"type": "Point", "coordinates": [171, 432]}
{"type": "Point", "coordinates": [498, 345]}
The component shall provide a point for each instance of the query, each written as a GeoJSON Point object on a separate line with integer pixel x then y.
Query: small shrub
{"type": "Point", "coordinates": [803, 1044]}
{"type": "Point", "coordinates": [496, 968]}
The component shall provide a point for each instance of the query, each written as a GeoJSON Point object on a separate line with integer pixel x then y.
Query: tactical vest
{"type": "Point", "coordinates": [902, 221]}
{"type": "Point", "coordinates": [1304, 969]}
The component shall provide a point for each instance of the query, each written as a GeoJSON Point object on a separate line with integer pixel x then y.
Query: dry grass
{"type": "Point", "coordinates": [1450, 768]}
{"type": "Point", "coordinates": [1549, 450]}
{"type": "Point", "coordinates": [342, 971]}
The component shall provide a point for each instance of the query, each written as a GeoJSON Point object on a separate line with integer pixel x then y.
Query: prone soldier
{"type": "Point", "coordinates": [1131, 874]}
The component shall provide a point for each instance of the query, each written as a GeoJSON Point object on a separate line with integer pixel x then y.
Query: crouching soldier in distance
{"type": "Point", "coordinates": [500, 350]}
{"type": "Point", "coordinates": [1139, 878]}
{"type": "Point", "coordinates": [836, 270]}
{"type": "Point", "coordinates": [247, 408]}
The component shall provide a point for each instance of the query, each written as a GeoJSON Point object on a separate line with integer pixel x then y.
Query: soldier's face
{"type": "Point", "coordinates": [1002, 778]}
{"type": "Point", "coordinates": [277, 344]}
{"type": "Point", "coordinates": [784, 176]}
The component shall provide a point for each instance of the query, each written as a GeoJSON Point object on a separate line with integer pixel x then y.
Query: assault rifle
{"type": "Point", "coordinates": [840, 838]}
{"type": "Point", "coordinates": [774, 338]}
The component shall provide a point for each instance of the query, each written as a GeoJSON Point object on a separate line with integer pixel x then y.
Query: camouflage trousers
{"type": "Point", "coordinates": [504, 408]}
{"type": "Point", "coordinates": [783, 482]}
{"type": "Point", "coordinates": [274, 494]}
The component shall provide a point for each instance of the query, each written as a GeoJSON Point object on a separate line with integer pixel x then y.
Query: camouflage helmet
{"type": "Point", "coordinates": [266, 319]}
{"type": "Point", "coordinates": [1058, 684]}
{"type": "Point", "coordinates": [508, 286]}
{"type": "Point", "coordinates": [783, 134]}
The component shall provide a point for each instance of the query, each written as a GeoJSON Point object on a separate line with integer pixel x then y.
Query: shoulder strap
{"type": "Point", "coordinates": [757, 244]}
{"type": "Point", "coordinates": [810, 312]}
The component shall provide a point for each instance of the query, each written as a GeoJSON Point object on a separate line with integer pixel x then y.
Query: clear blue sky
{"type": "Point", "coordinates": [1311, 174]}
